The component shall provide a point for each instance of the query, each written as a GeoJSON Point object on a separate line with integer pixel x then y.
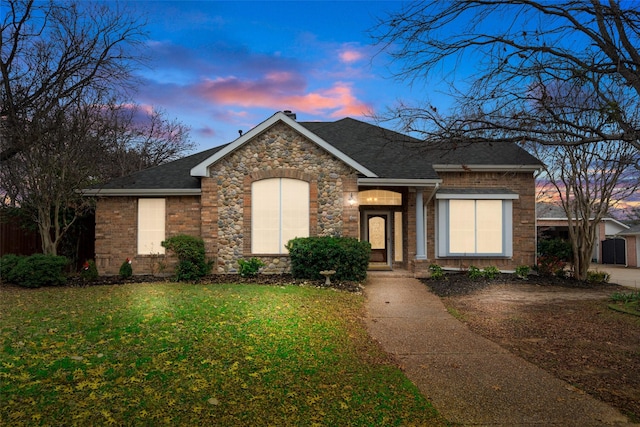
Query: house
{"type": "Point", "coordinates": [472, 205]}
{"type": "Point", "coordinates": [615, 242]}
{"type": "Point", "coordinates": [631, 237]}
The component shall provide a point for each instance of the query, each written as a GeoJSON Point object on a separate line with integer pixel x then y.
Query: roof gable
{"type": "Point", "coordinates": [201, 168]}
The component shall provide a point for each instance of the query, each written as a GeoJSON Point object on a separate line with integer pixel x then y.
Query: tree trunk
{"type": "Point", "coordinates": [49, 246]}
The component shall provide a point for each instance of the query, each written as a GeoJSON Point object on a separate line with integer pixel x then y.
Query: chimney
{"type": "Point", "coordinates": [289, 114]}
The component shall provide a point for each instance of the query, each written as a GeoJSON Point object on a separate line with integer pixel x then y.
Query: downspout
{"type": "Point", "coordinates": [433, 193]}
{"type": "Point", "coordinates": [421, 243]}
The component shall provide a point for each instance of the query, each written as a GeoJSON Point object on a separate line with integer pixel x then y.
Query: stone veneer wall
{"type": "Point", "coordinates": [524, 226]}
{"type": "Point", "coordinates": [278, 152]}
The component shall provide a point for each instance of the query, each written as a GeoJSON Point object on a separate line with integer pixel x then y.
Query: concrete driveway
{"type": "Point", "coordinates": [625, 276]}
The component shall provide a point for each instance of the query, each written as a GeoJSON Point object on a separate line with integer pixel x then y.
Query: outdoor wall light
{"type": "Point", "coordinates": [352, 201]}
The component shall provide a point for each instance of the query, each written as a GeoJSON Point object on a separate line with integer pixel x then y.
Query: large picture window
{"type": "Point", "coordinates": [279, 213]}
{"type": "Point", "coordinates": [475, 227]}
{"type": "Point", "coordinates": [151, 226]}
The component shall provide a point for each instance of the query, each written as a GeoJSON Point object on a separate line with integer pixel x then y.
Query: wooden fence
{"type": "Point", "coordinates": [15, 239]}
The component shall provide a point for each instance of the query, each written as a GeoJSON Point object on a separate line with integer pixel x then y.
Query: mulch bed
{"type": "Point", "coordinates": [460, 284]}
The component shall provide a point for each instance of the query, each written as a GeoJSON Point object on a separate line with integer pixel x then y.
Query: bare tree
{"type": "Point", "coordinates": [588, 179]}
{"type": "Point", "coordinates": [509, 48]}
{"type": "Point", "coordinates": [53, 53]}
{"type": "Point", "coordinates": [137, 139]}
{"type": "Point", "coordinates": [563, 78]}
{"type": "Point", "coordinates": [64, 67]}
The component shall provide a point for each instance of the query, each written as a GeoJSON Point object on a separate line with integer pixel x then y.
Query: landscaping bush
{"type": "Point", "coordinates": [250, 268]}
{"type": "Point", "coordinates": [192, 264]}
{"type": "Point", "coordinates": [7, 263]}
{"type": "Point", "coordinates": [557, 248]}
{"type": "Point", "coordinates": [126, 270]}
{"type": "Point", "coordinates": [437, 273]}
{"type": "Point", "coordinates": [39, 270]}
{"type": "Point", "coordinates": [348, 256]}
{"type": "Point", "coordinates": [89, 271]}
{"type": "Point", "coordinates": [474, 273]}
{"type": "Point", "coordinates": [491, 272]}
{"type": "Point", "coordinates": [522, 271]}
{"type": "Point", "coordinates": [549, 265]}
{"type": "Point", "coordinates": [597, 276]}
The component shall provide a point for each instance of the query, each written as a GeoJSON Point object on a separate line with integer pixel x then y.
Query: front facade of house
{"type": "Point", "coordinates": [286, 179]}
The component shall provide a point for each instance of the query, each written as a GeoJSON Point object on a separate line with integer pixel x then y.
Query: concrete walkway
{"type": "Point", "coordinates": [470, 380]}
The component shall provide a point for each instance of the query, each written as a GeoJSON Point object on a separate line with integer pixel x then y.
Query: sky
{"type": "Point", "coordinates": [223, 66]}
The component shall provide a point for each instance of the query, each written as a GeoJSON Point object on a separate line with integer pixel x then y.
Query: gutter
{"type": "Point", "coordinates": [486, 168]}
{"type": "Point", "coordinates": [114, 192]}
{"type": "Point", "coordinates": [399, 182]}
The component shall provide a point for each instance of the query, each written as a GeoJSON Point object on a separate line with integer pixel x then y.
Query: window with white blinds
{"type": "Point", "coordinates": [279, 213]}
{"type": "Point", "coordinates": [475, 227]}
{"type": "Point", "coordinates": [151, 226]}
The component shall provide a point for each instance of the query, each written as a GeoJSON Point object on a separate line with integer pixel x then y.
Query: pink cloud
{"type": "Point", "coordinates": [350, 56]}
{"type": "Point", "coordinates": [282, 90]}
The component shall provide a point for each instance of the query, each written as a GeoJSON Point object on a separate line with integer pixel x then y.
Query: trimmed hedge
{"type": "Point", "coordinates": [7, 263]}
{"type": "Point", "coordinates": [348, 256]}
{"type": "Point", "coordinates": [192, 264]}
{"type": "Point", "coordinates": [37, 270]}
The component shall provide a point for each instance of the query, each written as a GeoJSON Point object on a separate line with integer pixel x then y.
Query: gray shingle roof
{"type": "Point", "coordinates": [172, 175]}
{"type": "Point", "coordinates": [387, 153]}
{"type": "Point", "coordinates": [394, 155]}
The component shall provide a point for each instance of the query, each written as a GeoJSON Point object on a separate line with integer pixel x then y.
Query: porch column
{"type": "Point", "coordinates": [420, 242]}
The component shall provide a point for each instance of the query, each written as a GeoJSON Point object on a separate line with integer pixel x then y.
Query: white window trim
{"type": "Point", "coordinates": [442, 241]}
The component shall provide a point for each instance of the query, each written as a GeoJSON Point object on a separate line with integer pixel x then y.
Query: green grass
{"type": "Point", "coordinates": [180, 354]}
{"type": "Point", "coordinates": [626, 302]}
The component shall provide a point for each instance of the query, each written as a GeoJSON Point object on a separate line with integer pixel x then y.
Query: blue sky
{"type": "Point", "coordinates": [221, 66]}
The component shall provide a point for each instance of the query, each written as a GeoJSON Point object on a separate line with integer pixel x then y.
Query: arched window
{"type": "Point", "coordinates": [380, 197]}
{"type": "Point", "coordinates": [279, 213]}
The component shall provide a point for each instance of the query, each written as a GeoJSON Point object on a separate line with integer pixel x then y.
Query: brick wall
{"type": "Point", "coordinates": [524, 229]}
{"type": "Point", "coordinates": [117, 238]}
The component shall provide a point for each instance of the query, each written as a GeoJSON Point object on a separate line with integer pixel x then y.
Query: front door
{"type": "Point", "coordinates": [378, 236]}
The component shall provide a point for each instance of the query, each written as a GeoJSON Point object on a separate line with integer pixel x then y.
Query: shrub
{"type": "Point", "coordinates": [558, 248]}
{"type": "Point", "coordinates": [192, 264]}
{"type": "Point", "coordinates": [522, 271]}
{"type": "Point", "coordinates": [348, 256]}
{"type": "Point", "coordinates": [7, 263]}
{"type": "Point", "coordinates": [40, 270]}
{"type": "Point", "coordinates": [597, 276]}
{"type": "Point", "coordinates": [491, 272]}
{"type": "Point", "coordinates": [251, 267]}
{"type": "Point", "coordinates": [549, 265]}
{"type": "Point", "coordinates": [474, 273]}
{"type": "Point", "coordinates": [89, 271]}
{"type": "Point", "coordinates": [126, 270]}
{"type": "Point", "coordinates": [437, 273]}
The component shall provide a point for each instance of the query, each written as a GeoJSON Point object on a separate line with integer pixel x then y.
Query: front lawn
{"type": "Point", "coordinates": [181, 354]}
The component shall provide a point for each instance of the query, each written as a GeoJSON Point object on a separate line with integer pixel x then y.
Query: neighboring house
{"type": "Point", "coordinates": [632, 246]}
{"type": "Point", "coordinates": [609, 247]}
{"type": "Point", "coordinates": [474, 205]}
